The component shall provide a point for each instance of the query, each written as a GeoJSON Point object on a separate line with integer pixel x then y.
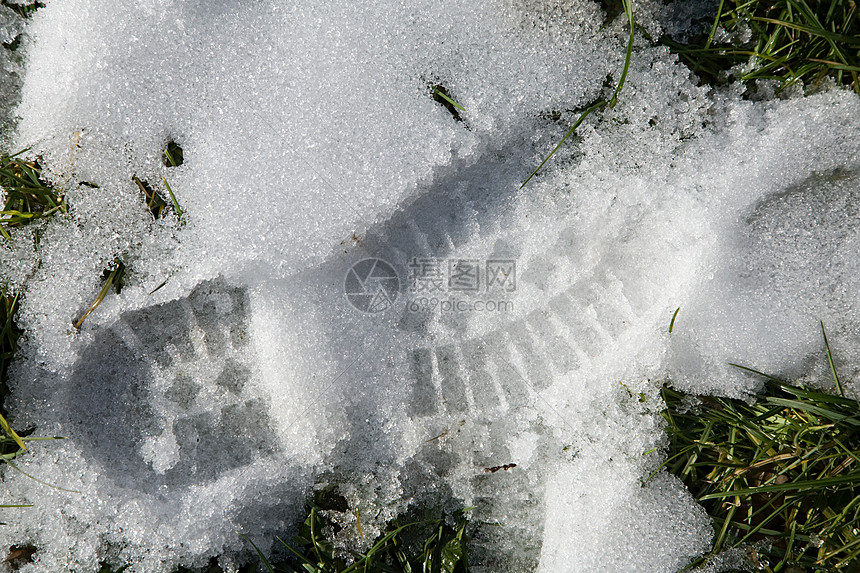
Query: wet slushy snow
{"type": "Point", "coordinates": [361, 293]}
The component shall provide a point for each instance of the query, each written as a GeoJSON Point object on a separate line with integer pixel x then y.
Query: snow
{"type": "Point", "coordinates": [11, 25]}
{"type": "Point", "coordinates": [311, 142]}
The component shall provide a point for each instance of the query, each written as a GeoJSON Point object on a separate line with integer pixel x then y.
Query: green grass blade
{"type": "Point", "coordinates": [444, 96]}
{"type": "Point", "coordinates": [812, 408]}
{"type": "Point", "coordinates": [830, 362]}
{"type": "Point", "coordinates": [715, 26]}
{"type": "Point", "coordinates": [628, 10]}
{"type": "Point", "coordinates": [262, 557]}
{"type": "Point", "coordinates": [11, 433]}
{"type": "Point", "coordinates": [815, 31]}
{"type": "Point", "coordinates": [16, 468]}
{"type": "Point", "coordinates": [817, 484]}
{"type": "Point", "coordinates": [100, 297]}
{"type": "Point", "coordinates": [176, 206]}
{"type": "Point", "coordinates": [576, 124]}
{"type": "Point", "coordinates": [672, 322]}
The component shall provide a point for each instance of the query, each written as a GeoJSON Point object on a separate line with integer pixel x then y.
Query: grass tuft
{"type": "Point", "coordinates": [27, 196]}
{"type": "Point", "coordinates": [428, 546]}
{"type": "Point", "coordinates": [790, 41]}
{"type": "Point", "coordinates": [23, 9]}
{"type": "Point", "coordinates": [11, 443]}
{"type": "Point", "coordinates": [780, 477]}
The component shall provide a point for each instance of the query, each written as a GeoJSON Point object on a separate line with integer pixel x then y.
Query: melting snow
{"type": "Point", "coordinates": [360, 291]}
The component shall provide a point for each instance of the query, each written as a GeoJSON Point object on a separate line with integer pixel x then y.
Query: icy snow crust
{"type": "Point", "coordinates": [311, 141]}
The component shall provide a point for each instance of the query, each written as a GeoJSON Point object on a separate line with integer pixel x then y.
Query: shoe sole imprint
{"type": "Point", "coordinates": [158, 368]}
{"type": "Point", "coordinates": [493, 381]}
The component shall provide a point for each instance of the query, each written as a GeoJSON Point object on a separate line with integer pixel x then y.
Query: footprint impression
{"type": "Point", "coordinates": [172, 405]}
